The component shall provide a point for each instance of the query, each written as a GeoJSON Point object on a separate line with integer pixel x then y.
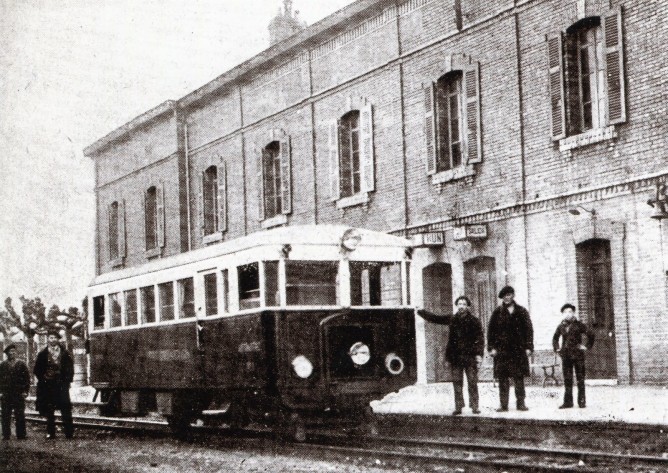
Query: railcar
{"type": "Point", "coordinates": [282, 324]}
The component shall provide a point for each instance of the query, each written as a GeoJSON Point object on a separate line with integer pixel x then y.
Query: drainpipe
{"type": "Point", "coordinates": [626, 307]}
{"type": "Point", "coordinates": [187, 164]}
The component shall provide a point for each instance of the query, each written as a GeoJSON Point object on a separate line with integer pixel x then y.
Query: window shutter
{"type": "Point", "coordinates": [555, 62]}
{"type": "Point", "coordinates": [222, 196]}
{"type": "Point", "coordinates": [471, 74]}
{"type": "Point", "coordinates": [614, 63]}
{"type": "Point", "coordinates": [366, 148]}
{"type": "Point", "coordinates": [200, 202]}
{"type": "Point", "coordinates": [121, 229]}
{"type": "Point", "coordinates": [160, 211]}
{"type": "Point", "coordinates": [286, 176]}
{"type": "Point", "coordinates": [430, 126]}
{"type": "Point", "coordinates": [334, 159]}
{"type": "Point", "coordinates": [260, 183]}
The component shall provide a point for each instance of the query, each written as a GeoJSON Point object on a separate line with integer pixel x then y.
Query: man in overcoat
{"type": "Point", "coordinates": [466, 346]}
{"type": "Point", "coordinates": [14, 387]}
{"type": "Point", "coordinates": [576, 339]}
{"type": "Point", "coordinates": [510, 342]}
{"type": "Point", "coordinates": [54, 369]}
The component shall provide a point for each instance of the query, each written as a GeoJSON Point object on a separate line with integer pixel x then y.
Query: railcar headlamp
{"type": "Point", "coordinates": [302, 366]}
{"type": "Point", "coordinates": [351, 239]}
{"type": "Point", "coordinates": [394, 364]}
{"type": "Point", "coordinates": [359, 353]}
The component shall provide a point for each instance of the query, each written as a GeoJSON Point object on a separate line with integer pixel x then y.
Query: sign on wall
{"type": "Point", "coordinates": [470, 232]}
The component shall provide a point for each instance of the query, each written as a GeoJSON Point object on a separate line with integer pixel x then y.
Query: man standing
{"type": "Point", "coordinates": [510, 342]}
{"type": "Point", "coordinates": [54, 369]}
{"type": "Point", "coordinates": [14, 387]}
{"type": "Point", "coordinates": [464, 351]}
{"type": "Point", "coordinates": [576, 338]}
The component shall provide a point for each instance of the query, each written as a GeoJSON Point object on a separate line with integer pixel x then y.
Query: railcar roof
{"type": "Point", "coordinates": [293, 235]}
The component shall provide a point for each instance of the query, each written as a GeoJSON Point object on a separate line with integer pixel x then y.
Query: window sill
{"type": "Point", "coordinates": [117, 262]}
{"type": "Point", "coordinates": [590, 137]}
{"type": "Point", "coordinates": [275, 221]}
{"type": "Point", "coordinates": [213, 238]}
{"type": "Point", "coordinates": [460, 172]}
{"type": "Point", "coordinates": [361, 198]}
{"type": "Point", "coordinates": [153, 252]}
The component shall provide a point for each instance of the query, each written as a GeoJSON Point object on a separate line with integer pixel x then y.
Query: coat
{"type": "Point", "coordinates": [573, 333]}
{"type": "Point", "coordinates": [510, 335]}
{"type": "Point", "coordinates": [56, 392]}
{"type": "Point", "coordinates": [14, 378]}
{"type": "Point", "coordinates": [466, 340]}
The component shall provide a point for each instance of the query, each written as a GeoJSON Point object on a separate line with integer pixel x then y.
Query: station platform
{"type": "Point", "coordinates": [642, 406]}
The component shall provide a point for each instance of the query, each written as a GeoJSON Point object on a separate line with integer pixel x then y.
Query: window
{"type": "Point", "coordinates": [272, 296]}
{"type": "Point", "coordinates": [210, 195]}
{"type": "Point", "coordinates": [226, 290]}
{"type": "Point", "coordinates": [166, 293]}
{"type": "Point", "coordinates": [151, 218]}
{"type": "Point", "coordinates": [452, 120]}
{"type": "Point", "coordinates": [211, 294]}
{"type": "Point", "coordinates": [375, 283]}
{"type": "Point", "coordinates": [116, 320]}
{"type": "Point", "coordinates": [186, 298]}
{"type": "Point", "coordinates": [311, 282]}
{"type": "Point", "coordinates": [98, 312]}
{"type": "Point", "coordinates": [148, 304]}
{"type": "Point", "coordinates": [351, 153]}
{"type": "Point", "coordinates": [275, 179]}
{"type": "Point", "coordinates": [131, 307]}
{"type": "Point", "coordinates": [249, 286]}
{"type": "Point", "coordinates": [586, 76]}
{"type": "Point", "coordinates": [113, 231]}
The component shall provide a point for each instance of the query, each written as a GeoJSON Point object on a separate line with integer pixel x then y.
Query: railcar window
{"type": "Point", "coordinates": [249, 286]}
{"type": "Point", "coordinates": [408, 283]}
{"type": "Point", "coordinates": [166, 293]}
{"type": "Point", "coordinates": [186, 298]}
{"type": "Point", "coordinates": [98, 312]}
{"type": "Point", "coordinates": [211, 294]}
{"type": "Point", "coordinates": [375, 283]}
{"type": "Point", "coordinates": [115, 310]}
{"type": "Point", "coordinates": [226, 290]}
{"type": "Point", "coordinates": [131, 307]}
{"type": "Point", "coordinates": [271, 296]}
{"type": "Point", "coordinates": [148, 304]}
{"type": "Point", "coordinates": [311, 282]}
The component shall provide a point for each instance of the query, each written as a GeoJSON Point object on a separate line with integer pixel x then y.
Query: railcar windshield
{"type": "Point", "coordinates": [312, 282]}
{"type": "Point", "coordinates": [249, 286]}
{"type": "Point", "coordinates": [375, 283]}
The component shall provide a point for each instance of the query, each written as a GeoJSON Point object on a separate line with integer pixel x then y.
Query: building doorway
{"type": "Point", "coordinates": [480, 287]}
{"type": "Point", "coordinates": [595, 300]}
{"type": "Point", "coordinates": [437, 297]}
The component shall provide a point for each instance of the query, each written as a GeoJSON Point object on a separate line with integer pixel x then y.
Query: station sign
{"type": "Point", "coordinates": [470, 232]}
{"type": "Point", "coordinates": [428, 239]}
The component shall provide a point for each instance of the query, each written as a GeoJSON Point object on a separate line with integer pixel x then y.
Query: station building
{"type": "Point", "coordinates": [516, 142]}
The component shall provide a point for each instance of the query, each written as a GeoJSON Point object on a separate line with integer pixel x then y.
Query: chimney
{"type": "Point", "coordinates": [284, 24]}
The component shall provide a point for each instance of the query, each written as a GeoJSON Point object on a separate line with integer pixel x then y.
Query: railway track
{"type": "Point", "coordinates": [482, 456]}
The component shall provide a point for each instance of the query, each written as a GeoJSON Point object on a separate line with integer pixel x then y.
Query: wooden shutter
{"type": "Point", "coordinates": [555, 62]}
{"type": "Point", "coordinates": [200, 202]}
{"type": "Point", "coordinates": [430, 126]}
{"type": "Point", "coordinates": [367, 176]}
{"type": "Point", "coordinates": [614, 64]}
{"type": "Point", "coordinates": [121, 229]}
{"type": "Point", "coordinates": [334, 188]}
{"type": "Point", "coordinates": [222, 196]}
{"type": "Point", "coordinates": [160, 213]}
{"type": "Point", "coordinates": [471, 76]}
{"type": "Point", "coordinates": [261, 157]}
{"type": "Point", "coordinates": [286, 176]}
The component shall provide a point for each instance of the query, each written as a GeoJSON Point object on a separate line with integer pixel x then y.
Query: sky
{"type": "Point", "coordinates": [72, 71]}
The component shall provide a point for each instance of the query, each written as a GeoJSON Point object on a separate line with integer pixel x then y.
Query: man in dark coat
{"type": "Point", "coordinates": [14, 387]}
{"type": "Point", "coordinates": [464, 351]}
{"type": "Point", "coordinates": [510, 342]}
{"type": "Point", "coordinates": [54, 369]}
{"type": "Point", "coordinates": [576, 338]}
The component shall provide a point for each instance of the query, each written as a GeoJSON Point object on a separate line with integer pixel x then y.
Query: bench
{"type": "Point", "coordinates": [549, 375]}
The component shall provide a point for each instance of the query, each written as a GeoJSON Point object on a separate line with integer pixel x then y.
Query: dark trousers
{"type": "Point", "coordinates": [458, 384]}
{"type": "Point", "coordinates": [504, 390]}
{"type": "Point", "coordinates": [568, 365]}
{"type": "Point", "coordinates": [57, 398]}
{"type": "Point", "coordinates": [17, 404]}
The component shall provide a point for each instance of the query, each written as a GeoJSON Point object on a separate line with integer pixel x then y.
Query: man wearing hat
{"type": "Point", "coordinates": [54, 369]}
{"type": "Point", "coordinates": [576, 339]}
{"type": "Point", "coordinates": [14, 387]}
{"type": "Point", "coordinates": [510, 342]}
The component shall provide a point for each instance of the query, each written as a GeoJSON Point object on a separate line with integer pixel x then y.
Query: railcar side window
{"type": "Point", "coordinates": [115, 310]}
{"type": "Point", "coordinates": [271, 294]}
{"type": "Point", "coordinates": [226, 290]}
{"type": "Point", "coordinates": [211, 294]}
{"type": "Point", "coordinates": [148, 304]}
{"type": "Point", "coordinates": [311, 282]}
{"type": "Point", "coordinates": [249, 286]}
{"type": "Point", "coordinates": [131, 307]}
{"type": "Point", "coordinates": [166, 293]}
{"type": "Point", "coordinates": [375, 283]}
{"type": "Point", "coordinates": [186, 298]}
{"type": "Point", "coordinates": [98, 312]}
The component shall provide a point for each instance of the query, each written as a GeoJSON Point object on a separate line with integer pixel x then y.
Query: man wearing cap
{"type": "Point", "coordinates": [576, 339]}
{"type": "Point", "coordinates": [54, 369]}
{"type": "Point", "coordinates": [510, 342]}
{"type": "Point", "coordinates": [14, 387]}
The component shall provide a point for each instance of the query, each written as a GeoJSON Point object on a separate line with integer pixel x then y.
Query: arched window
{"type": "Point", "coordinates": [151, 217]}
{"type": "Point", "coordinates": [113, 230]}
{"type": "Point", "coordinates": [274, 172]}
{"type": "Point", "coordinates": [210, 196]}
